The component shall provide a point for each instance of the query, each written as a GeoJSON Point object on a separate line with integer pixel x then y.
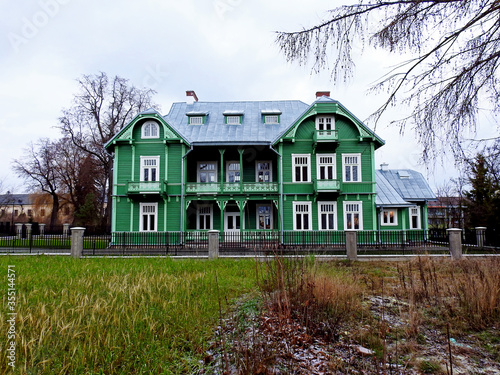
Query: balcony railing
{"type": "Point", "coordinates": [326, 185]}
{"type": "Point", "coordinates": [146, 187]}
{"type": "Point", "coordinates": [228, 187]}
{"type": "Point", "coordinates": [326, 136]}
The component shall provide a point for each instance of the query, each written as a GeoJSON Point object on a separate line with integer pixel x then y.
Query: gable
{"type": "Point", "coordinates": [132, 130]}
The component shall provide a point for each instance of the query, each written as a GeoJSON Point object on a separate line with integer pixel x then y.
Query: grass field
{"type": "Point", "coordinates": [116, 316]}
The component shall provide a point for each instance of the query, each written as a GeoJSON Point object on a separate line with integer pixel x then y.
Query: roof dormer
{"type": "Point", "coordinates": [233, 117]}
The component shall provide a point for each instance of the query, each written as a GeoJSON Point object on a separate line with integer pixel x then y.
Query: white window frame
{"type": "Point", "coordinates": [198, 171]}
{"type": "Point", "coordinates": [349, 165]}
{"type": "Point", "coordinates": [141, 217]}
{"type": "Point", "coordinates": [228, 163]}
{"type": "Point", "coordinates": [308, 212]}
{"type": "Point", "coordinates": [349, 210]}
{"type": "Point", "coordinates": [195, 120]}
{"type": "Point", "coordinates": [257, 162]}
{"type": "Point", "coordinates": [322, 211]}
{"type": "Point", "coordinates": [271, 119]}
{"type": "Point", "coordinates": [149, 167]}
{"type": "Point", "coordinates": [233, 119]}
{"type": "Point", "coordinates": [418, 215]}
{"type": "Point", "coordinates": [147, 125]}
{"type": "Point", "coordinates": [323, 120]}
{"type": "Point", "coordinates": [386, 214]}
{"type": "Point", "coordinates": [326, 165]}
{"type": "Point", "coordinates": [257, 224]}
{"type": "Point", "coordinates": [308, 166]}
{"type": "Point", "coordinates": [199, 213]}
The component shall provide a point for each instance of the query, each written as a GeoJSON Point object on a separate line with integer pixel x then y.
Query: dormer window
{"type": "Point", "coordinates": [197, 118]}
{"type": "Point", "coordinates": [325, 123]}
{"type": "Point", "coordinates": [233, 117]}
{"type": "Point", "coordinates": [150, 129]}
{"type": "Point", "coordinates": [271, 116]}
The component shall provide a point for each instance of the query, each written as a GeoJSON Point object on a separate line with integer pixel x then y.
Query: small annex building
{"type": "Point", "coordinates": [258, 166]}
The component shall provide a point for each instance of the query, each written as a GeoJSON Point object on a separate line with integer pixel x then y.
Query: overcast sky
{"type": "Point", "coordinates": [222, 49]}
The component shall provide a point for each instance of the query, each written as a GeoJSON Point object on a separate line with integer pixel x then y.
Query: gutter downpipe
{"type": "Point", "coordinates": [281, 193]}
{"type": "Point", "coordinates": [381, 208]}
{"type": "Point", "coordinates": [182, 193]}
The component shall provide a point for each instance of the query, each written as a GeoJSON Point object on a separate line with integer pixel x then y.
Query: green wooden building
{"type": "Point", "coordinates": [258, 166]}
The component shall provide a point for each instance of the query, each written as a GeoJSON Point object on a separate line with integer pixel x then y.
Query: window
{"type": "Point", "coordinates": [327, 212]}
{"type": "Point", "coordinates": [204, 217]}
{"type": "Point", "coordinates": [30, 212]}
{"type": "Point", "coordinates": [353, 216]}
{"type": "Point", "coordinates": [150, 130]}
{"type": "Point", "coordinates": [149, 168]}
{"type": "Point", "coordinates": [415, 217]}
{"type": "Point", "coordinates": [324, 123]}
{"type": "Point", "coordinates": [301, 170]}
{"type": "Point", "coordinates": [148, 217]}
{"type": "Point", "coordinates": [233, 171]}
{"type": "Point", "coordinates": [389, 217]}
{"type": "Point", "coordinates": [207, 172]}
{"type": "Point", "coordinates": [66, 210]}
{"type": "Point", "coordinates": [2, 212]}
{"type": "Point", "coordinates": [196, 120]}
{"type": "Point", "coordinates": [326, 167]}
{"type": "Point", "coordinates": [271, 119]}
{"type": "Point", "coordinates": [42, 212]}
{"type": "Point", "coordinates": [233, 120]}
{"type": "Point", "coordinates": [264, 216]}
{"type": "Point", "coordinates": [302, 216]}
{"type": "Point", "coordinates": [264, 171]}
{"type": "Point", "coordinates": [352, 167]}
{"type": "Point", "coordinates": [16, 212]}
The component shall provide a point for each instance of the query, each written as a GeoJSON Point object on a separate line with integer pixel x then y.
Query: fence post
{"type": "Point", "coordinates": [213, 244]}
{"type": "Point", "coordinates": [19, 230]}
{"type": "Point", "coordinates": [65, 230]}
{"type": "Point", "coordinates": [480, 236]}
{"type": "Point", "coordinates": [77, 242]}
{"type": "Point", "coordinates": [455, 236]}
{"type": "Point", "coordinates": [351, 244]}
{"type": "Point", "coordinates": [42, 229]}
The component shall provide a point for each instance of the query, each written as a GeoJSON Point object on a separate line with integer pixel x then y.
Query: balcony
{"type": "Point", "coordinates": [231, 188]}
{"type": "Point", "coordinates": [326, 186]}
{"type": "Point", "coordinates": [146, 187]}
{"type": "Point", "coordinates": [325, 136]}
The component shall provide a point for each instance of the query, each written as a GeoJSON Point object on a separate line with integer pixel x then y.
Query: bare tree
{"type": "Point", "coordinates": [453, 68]}
{"type": "Point", "coordinates": [100, 110]}
{"type": "Point", "coordinates": [38, 167]}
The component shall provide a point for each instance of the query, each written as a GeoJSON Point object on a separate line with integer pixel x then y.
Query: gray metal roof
{"type": "Point", "coordinates": [400, 186]}
{"type": "Point", "coordinates": [252, 130]}
{"type": "Point", "coordinates": [16, 199]}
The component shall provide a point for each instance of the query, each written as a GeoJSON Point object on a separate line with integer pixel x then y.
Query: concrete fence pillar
{"type": "Point", "coordinates": [65, 230]}
{"type": "Point", "coordinates": [213, 244]}
{"type": "Point", "coordinates": [480, 236]}
{"type": "Point", "coordinates": [455, 236]}
{"type": "Point", "coordinates": [19, 230]}
{"type": "Point", "coordinates": [42, 229]}
{"type": "Point", "coordinates": [77, 242]}
{"type": "Point", "coordinates": [28, 230]}
{"type": "Point", "coordinates": [351, 244]}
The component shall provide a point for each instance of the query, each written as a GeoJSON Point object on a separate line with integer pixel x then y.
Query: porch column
{"type": "Point", "coordinates": [240, 151]}
{"type": "Point", "coordinates": [221, 151]}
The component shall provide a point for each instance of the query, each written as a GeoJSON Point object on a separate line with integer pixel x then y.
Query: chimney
{"type": "Point", "coordinates": [384, 167]}
{"type": "Point", "coordinates": [191, 97]}
{"type": "Point", "coordinates": [319, 94]}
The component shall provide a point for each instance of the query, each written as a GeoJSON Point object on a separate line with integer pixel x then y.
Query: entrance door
{"type": "Point", "coordinates": [232, 226]}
